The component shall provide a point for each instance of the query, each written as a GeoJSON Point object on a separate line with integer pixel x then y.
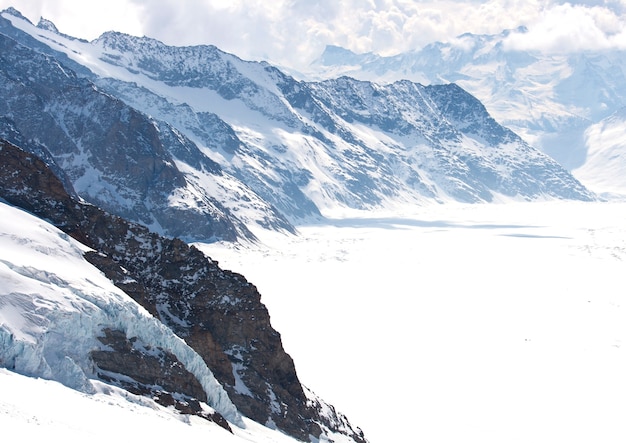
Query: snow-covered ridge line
{"type": "Point", "coordinates": [552, 100]}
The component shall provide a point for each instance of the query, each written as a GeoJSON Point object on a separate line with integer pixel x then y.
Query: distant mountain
{"type": "Point", "coordinates": [183, 331]}
{"type": "Point", "coordinates": [604, 169]}
{"type": "Point", "coordinates": [196, 143]}
{"type": "Point", "coordinates": [548, 99]}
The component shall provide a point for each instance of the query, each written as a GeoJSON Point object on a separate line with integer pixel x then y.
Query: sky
{"type": "Point", "coordinates": [292, 33]}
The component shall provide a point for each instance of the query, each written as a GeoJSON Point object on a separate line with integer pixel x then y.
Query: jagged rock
{"type": "Point", "coordinates": [218, 313]}
{"type": "Point", "coordinates": [147, 366]}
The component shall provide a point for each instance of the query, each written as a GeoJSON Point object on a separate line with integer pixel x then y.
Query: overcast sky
{"type": "Point", "coordinates": [294, 32]}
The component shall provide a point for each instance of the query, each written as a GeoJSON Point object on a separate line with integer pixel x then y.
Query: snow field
{"type": "Point", "coordinates": [488, 323]}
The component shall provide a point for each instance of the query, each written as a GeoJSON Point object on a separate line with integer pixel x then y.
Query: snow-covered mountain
{"type": "Point", "coordinates": [548, 99]}
{"type": "Point", "coordinates": [604, 169]}
{"type": "Point", "coordinates": [115, 156]}
{"type": "Point", "coordinates": [145, 313]}
{"type": "Point", "coordinates": [242, 145]}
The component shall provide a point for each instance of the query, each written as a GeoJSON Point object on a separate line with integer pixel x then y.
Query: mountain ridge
{"type": "Point", "coordinates": [551, 100]}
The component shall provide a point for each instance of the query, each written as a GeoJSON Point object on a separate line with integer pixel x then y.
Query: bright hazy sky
{"type": "Point", "coordinates": [294, 32]}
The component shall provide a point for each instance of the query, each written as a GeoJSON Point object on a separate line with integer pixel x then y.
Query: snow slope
{"type": "Point", "coordinates": [549, 99]}
{"type": "Point", "coordinates": [41, 410]}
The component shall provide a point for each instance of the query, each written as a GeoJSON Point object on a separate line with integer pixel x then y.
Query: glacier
{"type": "Point", "coordinates": [54, 305]}
{"type": "Point", "coordinates": [449, 323]}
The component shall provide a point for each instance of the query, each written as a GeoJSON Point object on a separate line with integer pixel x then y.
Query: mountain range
{"type": "Point", "coordinates": [199, 144]}
{"type": "Point", "coordinates": [556, 102]}
{"type": "Point", "coordinates": [117, 154]}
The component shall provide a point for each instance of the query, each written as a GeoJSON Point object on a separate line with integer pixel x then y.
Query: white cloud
{"type": "Point", "coordinates": [294, 32]}
{"type": "Point", "coordinates": [569, 28]}
{"type": "Point", "coordinates": [80, 18]}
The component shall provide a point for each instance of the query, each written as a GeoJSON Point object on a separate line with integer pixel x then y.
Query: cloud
{"type": "Point", "coordinates": [80, 18]}
{"type": "Point", "coordinates": [294, 32]}
{"type": "Point", "coordinates": [569, 28]}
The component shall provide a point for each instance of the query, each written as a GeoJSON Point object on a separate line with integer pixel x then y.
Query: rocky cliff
{"type": "Point", "coordinates": [217, 312]}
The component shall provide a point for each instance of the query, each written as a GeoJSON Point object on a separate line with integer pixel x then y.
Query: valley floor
{"type": "Point", "coordinates": [490, 323]}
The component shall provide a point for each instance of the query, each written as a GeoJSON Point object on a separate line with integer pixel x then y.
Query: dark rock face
{"type": "Point", "coordinates": [145, 365]}
{"type": "Point", "coordinates": [144, 370]}
{"type": "Point", "coordinates": [217, 312]}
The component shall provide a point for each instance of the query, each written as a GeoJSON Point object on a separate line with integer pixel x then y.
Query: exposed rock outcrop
{"type": "Point", "coordinates": [151, 371]}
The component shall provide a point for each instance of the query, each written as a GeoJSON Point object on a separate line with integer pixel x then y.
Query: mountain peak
{"type": "Point", "coordinates": [15, 13]}
{"type": "Point", "coordinates": [333, 55]}
{"type": "Point", "coordinates": [47, 25]}
{"type": "Point", "coordinates": [337, 50]}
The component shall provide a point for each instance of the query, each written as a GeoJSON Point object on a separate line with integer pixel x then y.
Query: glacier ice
{"type": "Point", "coordinates": [54, 305]}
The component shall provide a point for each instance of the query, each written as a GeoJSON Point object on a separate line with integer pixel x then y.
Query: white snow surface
{"type": "Point", "coordinates": [54, 305]}
{"type": "Point", "coordinates": [477, 323]}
